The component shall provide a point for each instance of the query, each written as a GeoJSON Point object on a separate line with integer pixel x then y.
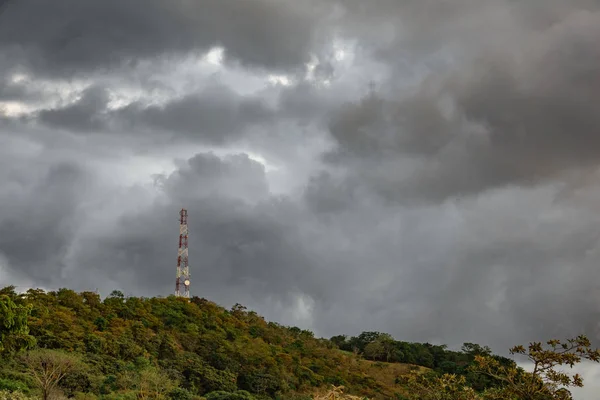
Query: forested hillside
{"type": "Point", "coordinates": [67, 344]}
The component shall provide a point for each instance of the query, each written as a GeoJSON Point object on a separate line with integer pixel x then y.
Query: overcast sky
{"type": "Point", "coordinates": [426, 168]}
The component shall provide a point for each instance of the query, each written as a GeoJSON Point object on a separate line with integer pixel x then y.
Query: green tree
{"type": "Point", "coordinates": [14, 331]}
{"type": "Point", "coordinates": [237, 395]}
{"type": "Point", "coordinates": [180, 394]}
{"type": "Point", "coordinates": [7, 395]}
{"type": "Point", "coordinates": [474, 349]}
{"type": "Point", "coordinates": [155, 384]}
{"type": "Point", "coordinates": [375, 351]}
{"type": "Point", "coordinates": [545, 381]}
{"type": "Point", "coordinates": [49, 367]}
{"type": "Point", "coordinates": [340, 341]}
{"type": "Point", "coordinates": [359, 343]}
{"type": "Point", "coordinates": [444, 387]}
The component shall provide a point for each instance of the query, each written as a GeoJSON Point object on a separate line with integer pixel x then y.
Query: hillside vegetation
{"type": "Point", "coordinates": [75, 345]}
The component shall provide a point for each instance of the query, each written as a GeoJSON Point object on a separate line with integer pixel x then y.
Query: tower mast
{"type": "Point", "coordinates": [183, 272]}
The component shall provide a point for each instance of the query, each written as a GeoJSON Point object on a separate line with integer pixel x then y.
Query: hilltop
{"type": "Point", "coordinates": [171, 348]}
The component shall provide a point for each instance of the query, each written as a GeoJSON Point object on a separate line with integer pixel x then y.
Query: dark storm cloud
{"type": "Point", "coordinates": [307, 104]}
{"type": "Point", "coordinates": [69, 36]}
{"type": "Point", "coordinates": [214, 115]}
{"type": "Point", "coordinates": [242, 246]}
{"type": "Point", "coordinates": [485, 270]}
{"type": "Point", "coordinates": [520, 108]}
{"type": "Point", "coordinates": [10, 91]}
{"type": "Point", "coordinates": [13, 89]}
{"type": "Point", "coordinates": [416, 272]}
{"type": "Point", "coordinates": [445, 212]}
{"type": "Point", "coordinates": [206, 175]}
{"type": "Point", "coordinates": [521, 115]}
{"type": "Point", "coordinates": [86, 114]}
{"type": "Point", "coordinates": [39, 216]}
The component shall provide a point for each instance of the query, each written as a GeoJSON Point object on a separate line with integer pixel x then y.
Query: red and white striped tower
{"type": "Point", "coordinates": [183, 272]}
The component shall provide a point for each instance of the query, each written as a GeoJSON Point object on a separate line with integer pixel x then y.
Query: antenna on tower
{"type": "Point", "coordinates": [183, 272]}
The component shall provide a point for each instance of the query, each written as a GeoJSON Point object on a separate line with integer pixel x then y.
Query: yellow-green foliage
{"type": "Point", "coordinates": [195, 345]}
{"type": "Point", "coordinates": [172, 348]}
{"type": "Point", "coordinates": [14, 332]}
{"type": "Point", "coordinates": [6, 395]}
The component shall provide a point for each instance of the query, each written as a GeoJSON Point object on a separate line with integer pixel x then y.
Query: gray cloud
{"type": "Point", "coordinates": [18, 90]}
{"type": "Point", "coordinates": [420, 272]}
{"type": "Point", "coordinates": [89, 113]}
{"type": "Point", "coordinates": [241, 240]}
{"type": "Point", "coordinates": [514, 117]}
{"type": "Point", "coordinates": [39, 219]}
{"type": "Point", "coordinates": [214, 116]}
{"type": "Point", "coordinates": [73, 37]}
{"type": "Point", "coordinates": [456, 201]}
{"type": "Point", "coordinates": [11, 92]}
{"type": "Point", "coordinates": [206, 175]}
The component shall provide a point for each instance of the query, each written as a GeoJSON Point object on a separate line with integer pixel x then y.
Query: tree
{"type": "Point", "coordinates": [7, 395]}
{"type": "Point", "coordinates": [337, 392]}
{"type": "Point", "coordinates": [474, 349]}
{"type": "Point", "coordinates": [155, 384]}
{"type": "Point", "coordinates": [180, 394]}
{"type": "Point", "coordinates": [116, 294]}
{"type": "Point", "coordinates": [239, 310]}
{"type": "Point", "coordinates": [8, 291]}
{"type": "Point", "coordinates": [339, 340]}
{"type": "Point", "coordinates": [375, 351]}
{"type": "Point", "coordinates": [14, 331]}
{"type": "Point", "coordinates": [390, 347]}
{"type": "Point", "coordinates": [49, 367]}
{"type": "Point", "coordinates": [545, 381]}
{"type": "Point", "coordinates": [384, 348]}
{"type": "Point", "coordinates": [222, 395]}
{"type": "Point", "coordinates": [444, 387]}
{"type": "Point", "coordinates": [364, 339]}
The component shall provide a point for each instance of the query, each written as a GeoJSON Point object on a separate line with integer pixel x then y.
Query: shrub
{"type": "Point", "coordinates": [237, 395]}
{"type": "Point", "coordinates": [13, 386]}
{"type": "Point", "coordinates": [180, 394]}
{"type": "Point", "coordinates": [7, 395]}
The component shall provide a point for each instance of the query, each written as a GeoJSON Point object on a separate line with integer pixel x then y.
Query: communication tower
{"type": "Point", "coordinates": [183, 272]}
